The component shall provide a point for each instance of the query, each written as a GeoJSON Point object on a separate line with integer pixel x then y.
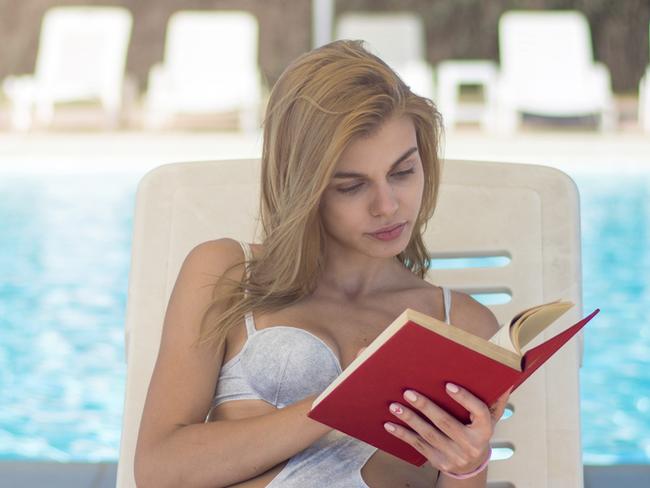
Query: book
{"type": "Point", "coordinates": [419, 352]}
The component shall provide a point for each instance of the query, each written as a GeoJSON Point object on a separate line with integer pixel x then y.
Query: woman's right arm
{"type": "Point", "coordinates": [174, 447]}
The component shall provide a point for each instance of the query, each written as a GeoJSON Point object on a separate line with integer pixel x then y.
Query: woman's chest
{"type": "Point", "coordinates": [346, 328]}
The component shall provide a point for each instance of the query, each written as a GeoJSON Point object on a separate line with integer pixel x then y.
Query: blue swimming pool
{"type": "Point", "coordinates": [64, 259]}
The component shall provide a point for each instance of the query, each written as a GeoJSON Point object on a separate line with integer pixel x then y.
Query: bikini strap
{"type": "Point", "coordinates": [250, 324]}
{"type": "Point", "coordinates": [250, 320]}
{"type": "Point", "coordinates": [446, 296]}
{"type": "Point", "coordinates": [246, 247]}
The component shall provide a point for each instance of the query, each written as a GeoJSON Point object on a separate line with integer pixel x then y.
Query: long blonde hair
{"type": "Point", "coordinates": [322, 101]}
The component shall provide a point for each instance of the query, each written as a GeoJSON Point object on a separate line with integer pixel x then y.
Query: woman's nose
{"type": "Point", "coordinates": [384, 201]}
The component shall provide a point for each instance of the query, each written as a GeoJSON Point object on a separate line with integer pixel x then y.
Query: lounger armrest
{"type": "Point", "coordinates": [602, 78]}
{"type": "Point", "coordinates": [420, 75]}
{"type": "Point", "coordinates": [644, 82]}
{"type": "Point", "coordinates": [158, 83]}
{"type": "Point", "coordinates": [20, 89]}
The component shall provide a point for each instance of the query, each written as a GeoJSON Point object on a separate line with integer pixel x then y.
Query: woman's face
{"type": "Point", "coordinates": [377, 184]}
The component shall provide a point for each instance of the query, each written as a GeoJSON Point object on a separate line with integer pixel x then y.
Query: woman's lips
{"type": "Point", "coordinates": [389, 234]}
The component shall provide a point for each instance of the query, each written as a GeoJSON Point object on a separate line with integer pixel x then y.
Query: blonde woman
{"type": "Point", "coordinates": [254, 332]}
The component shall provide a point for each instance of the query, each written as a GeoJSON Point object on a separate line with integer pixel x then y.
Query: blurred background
{"type": "Point", "coordinates": [94, 94]}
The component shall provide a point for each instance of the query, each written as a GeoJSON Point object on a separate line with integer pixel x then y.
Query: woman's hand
{"type": "Point", "coordinates": [452, 447]}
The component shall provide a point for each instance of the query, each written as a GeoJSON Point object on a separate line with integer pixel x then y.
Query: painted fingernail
{"type": "Point", "coordinates": [452, 388]}
{"type": "Point", "coordinates": [410, 396]}
{"type": "Point", "coordinates": [389, 427]}
{"type": "Point", "coordinates": [395, 408]}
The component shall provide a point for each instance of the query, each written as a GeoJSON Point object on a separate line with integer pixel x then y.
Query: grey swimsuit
{"type": "Point", "coordinates": [282, 365]}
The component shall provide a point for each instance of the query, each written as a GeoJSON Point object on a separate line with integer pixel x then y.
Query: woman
{"type": "Point", "coordinates": [350, 174]}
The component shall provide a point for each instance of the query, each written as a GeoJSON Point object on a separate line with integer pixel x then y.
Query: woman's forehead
{"type": "Point", "coordinates": [383, 147]}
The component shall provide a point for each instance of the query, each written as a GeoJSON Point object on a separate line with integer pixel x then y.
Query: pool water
{"type": "Point", "coordinates": [615, 377]}
{"type": "Point", "coordinates": [64, 260]}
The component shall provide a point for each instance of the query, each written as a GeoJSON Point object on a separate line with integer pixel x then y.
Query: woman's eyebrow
{"type": "Point", "coordinates": [348, 174]}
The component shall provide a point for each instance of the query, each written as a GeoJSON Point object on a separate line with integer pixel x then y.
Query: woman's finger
{"type": "Point", "coordinates": [478, 410]}
{"type": "Point", "coordinates": [421, 427]}
{"type": "Point", "coordinates": [447, 424]}
{"type": "Point", "coordinates": [434, 455]}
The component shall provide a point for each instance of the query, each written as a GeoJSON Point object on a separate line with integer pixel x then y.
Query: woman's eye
{"type": "Point", "coordinates": [401, 174]}
{"type": "Point", "coordinates": [350, 189]}
{"type": "Point", "coordinates": [354, 188]}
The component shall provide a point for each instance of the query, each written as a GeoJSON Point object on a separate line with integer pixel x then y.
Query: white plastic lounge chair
{"type": "Point", "coordinates": [397, 38]}
{"type": "Point", "coordinates": [548, 69]}
{"type": "Point", "coordinates": [210, 66]}
{"type": "Point", "coordinates": [81, 57]}
{"type": "Point", "coordinates": [526, 212]}
{"type": "Point", "coordinates": [644, 97]}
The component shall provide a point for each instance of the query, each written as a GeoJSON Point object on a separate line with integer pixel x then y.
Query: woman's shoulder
{"type": "Point", "coordinates": [214, 255]}
{"type": "Point", "coordinates": [472, 316]}
{"type": "Point", "coordinates": [224, 247]}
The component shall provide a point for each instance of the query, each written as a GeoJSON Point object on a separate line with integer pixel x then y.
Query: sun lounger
{"type": "Point", "coordinates": [210, 66]}
{"type": "Point", "coordinates": [81, 57]}
{"type": "Point", "coordinates": [548, 69]}
{"type": "Point", "coordinates": [525, 213]}
{"type": "Point", "coordinates": [399, 39]}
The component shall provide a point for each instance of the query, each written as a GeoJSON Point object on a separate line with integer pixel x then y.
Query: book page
{"type": "Point", "coordinates": [528, 324]}
{"type": "Point", "coordinates": [502, 338]}
{"type": "Point", "coordinates": [534, 324]}
{"type": "Point", "coordinates": [506, 335]}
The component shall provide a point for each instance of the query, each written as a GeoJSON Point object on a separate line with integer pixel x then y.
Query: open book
{"type": "Point", "coordinates": [419, 352]}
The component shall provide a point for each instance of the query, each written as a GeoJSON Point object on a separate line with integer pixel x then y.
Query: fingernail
{"type": "Point", "coordinates": [389, 427]}
{"type": "Point", "coordinates": [410, 396]}
{"type": "Point", "coordinates": [395, 408]}
{"type": "Point", "coordinates": [452, 388]}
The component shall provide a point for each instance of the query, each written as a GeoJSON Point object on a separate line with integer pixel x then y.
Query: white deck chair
{"type": "Point", "coordinates": [210, 66]}
{"type": "Point", "coordinates": [548, 69]}
{"type": "Point", "coordinates": [644, 97]}
{"type": "Point", "coordinates": [397, 38]}
{"type": "Point", "coordinates": [81, 57]}
{"type": "Point", "coordinates": [526, 212]}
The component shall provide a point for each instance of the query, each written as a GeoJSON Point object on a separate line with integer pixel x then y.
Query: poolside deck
{"type": "Point", "coordinates": [25, 474]}
{"type": "Point", "coordinates": [140, 151]}
{"type": "Point", "coordinates": [103, 475]}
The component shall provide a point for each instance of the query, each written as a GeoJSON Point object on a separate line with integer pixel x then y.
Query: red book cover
{"type": "Point", "coordinates": [412, 356]}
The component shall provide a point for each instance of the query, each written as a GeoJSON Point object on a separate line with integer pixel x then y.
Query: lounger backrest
{"type": "Point", "coordinates": [211, 55]}
{"type": "Point", "coordinates": [527, 214]}
{"type": "Point", "coordinates": [398, 38]}
{"type": "Point", "coordinates": [552, 47]}
{"type": "Point", "coordinates": [82, 53]}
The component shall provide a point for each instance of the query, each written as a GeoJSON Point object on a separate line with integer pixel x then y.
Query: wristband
{"type": "Point", "coordinates": [464, 476]}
